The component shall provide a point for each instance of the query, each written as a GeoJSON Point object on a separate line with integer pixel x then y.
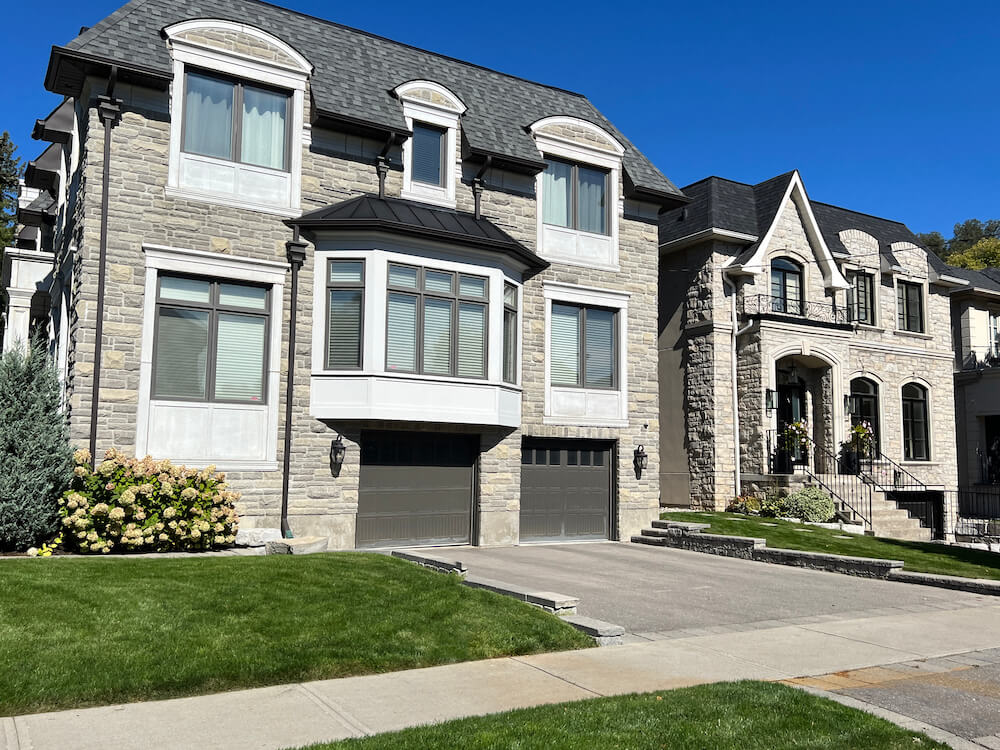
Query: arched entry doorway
{"type": "Point", "coordinates": [803, 412]}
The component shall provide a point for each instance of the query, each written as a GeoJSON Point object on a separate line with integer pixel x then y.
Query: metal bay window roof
{"type": "Point", "coordinates": [354, 75]}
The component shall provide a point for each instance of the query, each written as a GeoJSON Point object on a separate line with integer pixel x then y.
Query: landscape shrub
{"type": "Point", "coordinates": [810, 504]}
{"type": "Point", "coordinates": [142, 505]}
{"type": "Point", "coordinates": [774, 503]}
{"type": "Point", "coordinates": [749, 504]}
{"type": "Point", "coordinates": [35, 458]}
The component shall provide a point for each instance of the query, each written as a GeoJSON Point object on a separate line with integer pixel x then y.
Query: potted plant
{"type": "Point", "coordinates": [860, 444]}
{"type": "Point", "coordinates": [797, 440]}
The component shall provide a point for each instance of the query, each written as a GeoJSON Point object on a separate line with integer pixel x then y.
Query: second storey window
{"type": "Point", "coordinates": [236, 121]}
{"type": "Point", "coordinates": [910, 306]}
{"type": "Point", "coordinates": [583, 346]}
{"type": "Point", "coordinates": [210, 341]}
{"type": "Point", "coordinates": [345, 288]}
{"type": "Point", "coordinates": [786, 286]}
{"type": "Point", "coordinates": [575, 196]}
{"type": "Point", "coordinates": [428, 160]}
{"type": "Point", "coordinates": [864, 299]}
{"type": "Point", "coordinates": [510, 333]}
{"type": "Point", "coordinates": [994, 342]}
{"type": "Point", "coordinates": [436, 322]}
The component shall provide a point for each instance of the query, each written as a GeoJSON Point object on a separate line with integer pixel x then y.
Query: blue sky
{"type": "Point", "coordinates": [885, 107]}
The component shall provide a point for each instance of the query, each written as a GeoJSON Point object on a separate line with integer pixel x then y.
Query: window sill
{"type": "Point", "coordinates": [580, 264]}
{"type": "Point", "coordinates": [919, 463]}
{"type": "Point", "coordinates": [583, 422]}
{"type": "Point", "coordinates": [914, 335]}
{"type": "Point", "coordinates": [181, 193]}
{"type": "Point", "coordinates": [431, 197]}
{"type": "Point", "coordinates": [413, 376]}
{"type": "Point", "coordinates": [869, 327]}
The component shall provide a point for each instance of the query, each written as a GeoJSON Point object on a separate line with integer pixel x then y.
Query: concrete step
{"type": "Point", "coordinates": [653, 541]}
{"type": "Point", "coordinates": [908, 534]}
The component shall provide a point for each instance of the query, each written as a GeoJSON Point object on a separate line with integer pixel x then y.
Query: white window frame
{"type": "Point", "coordinates": [569, 246]}
{"type": "Point", "coordinates": [444, 113]}
{"type": "Point", "coordinates": [252, 70]}
{"type": "Point", "coordinates": [587, 407]}
{"type": "Point", "coordinates": [169, 260]}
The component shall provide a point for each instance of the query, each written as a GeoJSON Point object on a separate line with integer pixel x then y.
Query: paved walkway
{"type": "Point", "coordinates": [295, 715]}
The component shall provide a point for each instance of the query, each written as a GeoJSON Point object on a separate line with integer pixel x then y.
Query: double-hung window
{"type": "Point", "coordinates": [575, 196]}
{"type": "Point", "coordinates": [345, 296]}
{"type": "Point", "coordinates": [428, 156]}
{"type": "Point", "coordinates": [910, 306]}
{"type": "Point", "coordinates": [236, 121]}
{"type": "Point", "coordinates": [863, 291]}
{"type": "Point", "coordinates": [583, 346]}
{"type": "Point", "coordinates": [210, 341]}
{"type": "Point", "coordinates": [509, 333]}
{"type": "Point", "coordinates": [436, 322]}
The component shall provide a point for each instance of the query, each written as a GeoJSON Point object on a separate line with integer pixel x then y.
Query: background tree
{"type": "Point", "coordinates": [971, 231]}
{"type": "Point", "coordinates": [11, 170]}
{"type": "Point", "coordinates": [935, 242]}
{"type": "Point", "coordinates": [984, 254]}
{"type": "Point", "coordinates": [36, 463]}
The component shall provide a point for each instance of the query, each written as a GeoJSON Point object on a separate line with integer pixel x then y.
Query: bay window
{"type": "Point", "coordinates": [345, 304]}
{"type": "Point", "coordinates": [509, 333]}
{"type": "Point", "coordinates": [910, 306]}
{"type": "Point", "coordinates": [210, 341]}
{"type": "Point", "coordinates": [583, 346]}
{"type": "Point", "coordinates": [436, 322]}
{"type": "Point", "coordinates": [236, 121]}
{"type": "Point", "coordinates": [575, 196]}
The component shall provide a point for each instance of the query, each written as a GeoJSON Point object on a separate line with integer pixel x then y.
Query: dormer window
{"type": "Point", "coordinates": [786, 286]}
{"type": "Point", "coordinates": [428, 155]}
{"type": "Point", "coordinates": [575, 196]}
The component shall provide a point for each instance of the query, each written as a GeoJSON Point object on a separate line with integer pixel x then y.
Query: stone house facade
{"type": "Point", "coordinates": [784, 323]}
{"type": "Point", "coordinates": [472, 258]}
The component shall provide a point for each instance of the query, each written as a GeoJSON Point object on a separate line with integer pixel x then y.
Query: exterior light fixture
{"type": "Point", "coordinates": [338, 451]}
{"type": "Point", "coordinates": [770, 400]}
{"type": "Point", "coordinates": [641, 461]}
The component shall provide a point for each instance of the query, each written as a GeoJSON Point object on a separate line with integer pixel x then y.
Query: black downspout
{"type": "Point", "coordinates": [382, 164]}
{"type": "Point", "coordinates": [295, 251]}
{"type": "Point", "coordinates": [477, 186]}
{"type": "Point", "coordinates": [110, 112]}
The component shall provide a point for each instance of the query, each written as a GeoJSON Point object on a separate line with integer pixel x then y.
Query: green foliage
{"type": "Point", "coordinates": [774, 503]}
{"type": "Point", "coordinates": [11, 170]}
{"type": "Point", "coordinates": [971, 231]}
{"type": "Point", "coordinates": [984, 254]}
{"type": "Point", "coordinates": [935, 242]}
{"type": "Point", "coordinates": [142, 505]}
{"type": "Point", "coordinates": [810, 504]}
{"type": "Point", "coordinates": [35, 459]}
{"type": "Point", "coordinates": [749, 504]}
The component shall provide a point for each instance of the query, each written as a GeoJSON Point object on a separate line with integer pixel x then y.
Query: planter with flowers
{"type": "Point", "coordinates": [860, 445]}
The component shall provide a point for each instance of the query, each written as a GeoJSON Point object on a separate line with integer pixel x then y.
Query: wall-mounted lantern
{"type": "Point", "coordinates": [850, 404]}
{"type": "Point", "coordinates": [640, 460]}
{"type": "Point", "coordinates": [338, 451]}
{"type": "Point", "coordinates": [770, 400]}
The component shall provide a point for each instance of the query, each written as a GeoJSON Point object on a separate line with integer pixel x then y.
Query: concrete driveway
{"type": "Point", "coordinates": [657, 593]}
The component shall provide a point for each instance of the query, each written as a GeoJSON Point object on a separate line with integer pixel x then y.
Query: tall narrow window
{"type": "Point", "coordinates": [910, 306]}
{"type": "Point", "coordinates": [915, 432]}
{"type": "Point", "coordinates": [345, 289]}
{"type": "Point", "coordinates": [429, 154]}
{"type": "Point", "coordinates": [436, 322]}
{"type": "Point", "coordinates": [583, 346]}
{"type": "Point", "coordinates": [994, 342]}
{"type": "Point", "coordinates": [863, 291]}
{"type": "Point", "coordinates": [236, 121]}
{"type": "Point", "coordinates": [575, 196]}
{"type": "Point", "coordinates": [510, 333]}
{"type": "Point", "coordinates": [210, 342]}
{"type": "Point", "coordinates": [864, 408]}
{"type": "Point", "coordinates": [786, 286]}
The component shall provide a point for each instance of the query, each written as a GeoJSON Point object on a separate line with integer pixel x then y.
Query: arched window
{"type": "Point", "coordinates": [786, 286]}
{"type": "Point", "coordinates": [915, 433]}
{"type": "Point", "coordinates": [864, 406]}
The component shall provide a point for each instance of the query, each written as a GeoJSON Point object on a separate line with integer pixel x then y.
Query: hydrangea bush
{"type": "Point", "coordinates": [142, 505]}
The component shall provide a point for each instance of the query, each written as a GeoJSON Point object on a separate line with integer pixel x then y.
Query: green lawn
{"type": "Point", "coordinates": [76, 632]}
{"type": "Point", "coordinates": [736, 715]}
{"type": "Point", "coordinates": [919, 557]}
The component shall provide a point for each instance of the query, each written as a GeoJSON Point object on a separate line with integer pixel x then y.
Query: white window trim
{"type": "Point", "coordinates": [557, 292]}
{"type": "Point", "coordinates": [186, 53]}
{"type": "Point", "coordinates": [589, 156]}
{"type": "Point", "coordinates": [443, 116]}
{"type": "Point", "coordinates": [161, 259]}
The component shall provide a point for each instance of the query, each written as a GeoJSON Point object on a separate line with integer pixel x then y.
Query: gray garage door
{"type": "Point", "coordinates": [565, 490]}
{"type": "Point", "coordinates": [415, 488]}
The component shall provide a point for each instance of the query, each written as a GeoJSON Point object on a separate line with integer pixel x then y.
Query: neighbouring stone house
{"type": "Point", "coordinates": [466, 260]}
{"type": "Point", "coordinates": [785, 322]}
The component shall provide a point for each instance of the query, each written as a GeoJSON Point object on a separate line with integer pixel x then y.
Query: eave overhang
{"type": "Point", "coordinates": [59, 125]}
{"type": "Point", "coordinates": [712, 233]}
{"type": "Point", "coordinates": [44, 172]}
{"type": "Point", "coordinates": [68, 69]}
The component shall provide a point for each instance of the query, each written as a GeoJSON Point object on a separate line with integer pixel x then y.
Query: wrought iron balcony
{"type": "Point", "coordinates": [808, 313]}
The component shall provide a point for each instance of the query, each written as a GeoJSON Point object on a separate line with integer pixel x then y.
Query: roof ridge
{"type": "Point", "coordinates": [863, 213]}
{"type": "Point", "coordinates": [775, 178]}
{"type": "Point", "coordinates": [413, 47]}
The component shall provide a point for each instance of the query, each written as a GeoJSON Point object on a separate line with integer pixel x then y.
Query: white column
{"type": "Point", "coordinates": [18, 312]}
{"type": "Point", "coordinates": [25, 272]}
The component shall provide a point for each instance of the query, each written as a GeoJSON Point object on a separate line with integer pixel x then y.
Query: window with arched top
{"type": "Point", "coordinates": [916, 445]}
{"type": "Point", "coordinates": [865, 408]}
{"type": "Point", "coordinates": [786, 286]}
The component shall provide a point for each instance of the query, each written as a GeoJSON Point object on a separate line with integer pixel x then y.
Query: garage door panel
{"type": "Point", "coordinates": [415, 488]}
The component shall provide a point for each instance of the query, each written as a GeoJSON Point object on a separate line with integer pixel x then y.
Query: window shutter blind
{"type": "Point", "coordinates": [438, 281]}
{"type": "Point", "coordinates": [471, 341]}
{"type": "Point", "coordinates": [403, 276]}
{"type": "Point", "coordinates": [185, 290]}
{"type": "Point", "coordinates": [181, 354]}
{"type": "Point", "coordinates": [565, 345]}
{"type": "Point", "coordinates": [401, 333]}
{"type": "Point", "coordinates": [346, 272]}
{"type": "Point", "coordinates": [600, 347]}
{"type": "Point", "coordinates": [437, 336]}
{"type": "Point", "coordinates": [427, 146]}
{"type": "Point", "coordinates": [239, 295]}
{"type": "Point", "coordinates": [239, 361]}
{"type": "Point", "coordinates": [472, 286]}
{"type": "Point", "coordinates": [344, 329]}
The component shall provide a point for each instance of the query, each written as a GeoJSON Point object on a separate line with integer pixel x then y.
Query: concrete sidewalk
{"type": "Point", "coordinates": [295, 715]}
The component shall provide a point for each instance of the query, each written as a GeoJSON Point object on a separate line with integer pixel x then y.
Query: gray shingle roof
{"type": "Point", "coordinates": [369, 212]}
{"type": "Point", "coordinates": [355, 73]}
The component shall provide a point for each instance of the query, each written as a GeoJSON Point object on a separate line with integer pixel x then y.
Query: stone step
{"type": "Point", "coordinates": [653, 541]}
{"type": "Point", "coordinates": [906, 534]}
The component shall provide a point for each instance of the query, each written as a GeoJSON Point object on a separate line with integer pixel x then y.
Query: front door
{"type": "Point", "coordinates": [992, 458]}
{"type": "Point", "coordinates": [791, 408]}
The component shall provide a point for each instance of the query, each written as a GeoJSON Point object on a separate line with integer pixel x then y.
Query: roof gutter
{"type": "Point", "coordinates": [95, 64]}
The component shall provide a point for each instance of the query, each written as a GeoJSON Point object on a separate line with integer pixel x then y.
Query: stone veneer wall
{"type": "Point", "coordinates": [335, 167]}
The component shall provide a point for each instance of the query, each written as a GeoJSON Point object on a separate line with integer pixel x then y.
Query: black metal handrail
{"type": "Point", "coordinates": [817, 312]}
{"type": "Point", "coordinates": [901, 478]}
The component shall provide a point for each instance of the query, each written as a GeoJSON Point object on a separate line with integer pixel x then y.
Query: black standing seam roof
{"type": "Point", "coordinates": [399, 216]}
{"type": "Point", "coordinates": [355, 73]}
